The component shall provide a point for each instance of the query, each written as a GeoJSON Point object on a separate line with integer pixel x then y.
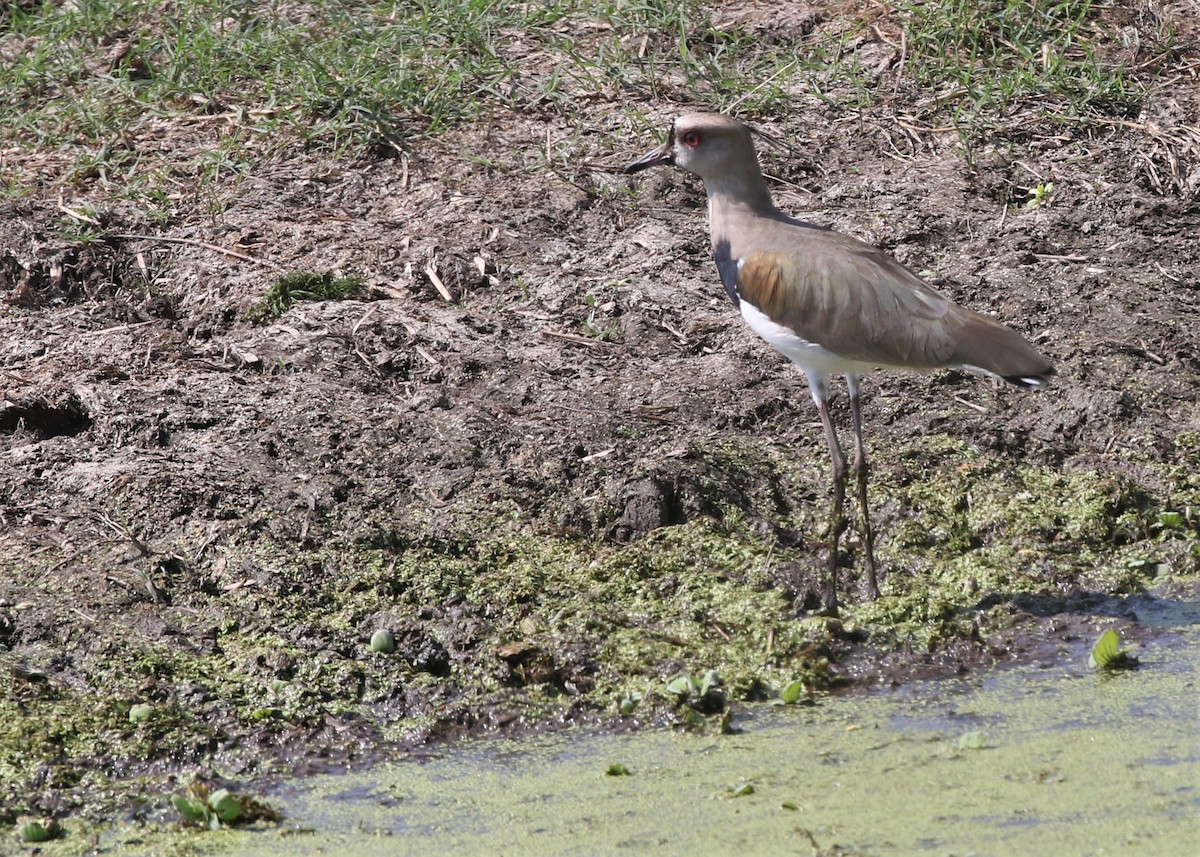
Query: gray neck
{"type": "Point", "coordinates": [745, 190]}
{"type": "Point", "coordinates": [733, 201]}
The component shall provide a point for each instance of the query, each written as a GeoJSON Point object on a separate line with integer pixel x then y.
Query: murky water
{"type": "Point", "coordinates": [1072, 763]}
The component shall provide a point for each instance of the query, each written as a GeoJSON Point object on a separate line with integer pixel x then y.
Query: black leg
{"type": "Point", "coordinates": [837, 519]}
{"type": "Point", "coordinates": [862, 470]}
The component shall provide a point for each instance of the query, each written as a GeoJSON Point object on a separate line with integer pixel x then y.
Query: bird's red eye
{"type": "Point", "coordinates": [691, 139]}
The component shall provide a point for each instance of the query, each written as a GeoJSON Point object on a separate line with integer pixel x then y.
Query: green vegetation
{"type": "Point", "coordinates": [793, 693]}
{"type": "Point", "coordinates": [987, 61]}
{"type": "Point", "coordinates": [291, 289]}
{"type": "Point", "coordinates": [37, 829]}
{"type": "Point", "coordinates": [234, 85]}
{"type": "Point", "coordinates": [697, 697]}
{"type": "Point", "coordinates": [1108, 655]}
{"type": "Point", "coordinates": [427, 626]}
{"type": "Point", "coordinates": [977, 740]}
{"type": "Point", "coordinates": [571, 620]}
{"type": "Point", "coordinates": [383, 641]}
{"type": "Point", "coordinates": [211, 809]}
{"type": "Point", "coordinates": [592, 326]}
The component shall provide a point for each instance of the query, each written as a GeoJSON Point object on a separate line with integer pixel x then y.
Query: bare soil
{"type": "Point", "coordinates": [175, 478]}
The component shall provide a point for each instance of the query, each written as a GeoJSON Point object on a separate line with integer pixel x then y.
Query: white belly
{"type": "Point", "coordinates": [814, 359]}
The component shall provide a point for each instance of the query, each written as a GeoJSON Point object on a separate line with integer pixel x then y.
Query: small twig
{"type": "Point", "coordinates": [1029, 169]}
{"type": "Point", "coordinates": [573, 338]}
{"type": "Point", "coordinates": [977, 407]}
{"type": "Point", "coordinates": [1138, 350]}
{"type": "Point", "coordinates": [124, 531]}
{"type": "Point", "coordinates": [78, 215]}
{"type": "Point", "coordinates": [191, 242]}
{"type": "Point", "coordinates": [432, 274]}
{"type": "Point", "coordinates": [604, 453]}
{"type": "Point", "coordinates": [116, 328]}
{"type": "Point", "coordinates": [367, 361]}
{"type": "Point", "coordinates": [1050, 257]}
{"type": "Point", "coordinates": [674, 332]}
{"type": "Point", "coordinates": [1151, 356]}
{"type": "Point", "coordinates": [738, 101]}
{"type": "Point", "coordinates": [928, 129]}
{"type": "Point", "coordinates": [429, 358]}
{"type": "Point", "coordinates": [1163, 271]}
{"type": "Point", "coordinates": [362, 320]}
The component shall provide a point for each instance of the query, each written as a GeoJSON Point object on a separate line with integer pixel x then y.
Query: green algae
{"type": "Point", "coordinates": [1077, 765]}
{"type": "Point", "coordinates": [1033, 760]}
{"type": "Point", "coordinates": [536, 620]}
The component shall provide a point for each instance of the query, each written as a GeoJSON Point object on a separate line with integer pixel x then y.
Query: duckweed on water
{"type": "Point", "coordinates": [496, 618]}
{"type": "Point", "coordinates": [1057, 768]}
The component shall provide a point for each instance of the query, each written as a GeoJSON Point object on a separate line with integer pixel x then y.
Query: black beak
{"type": "Point", "coordinates": [664, 154]}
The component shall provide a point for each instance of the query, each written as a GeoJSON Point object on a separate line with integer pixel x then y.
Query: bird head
{"type": "Point", "coordinates": [710, 145]}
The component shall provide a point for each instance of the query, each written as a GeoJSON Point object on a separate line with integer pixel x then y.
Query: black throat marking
{"type": "Point", "coordinates": [727, 266]}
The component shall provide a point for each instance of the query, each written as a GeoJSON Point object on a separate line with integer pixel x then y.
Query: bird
{"type": "Point", "coordinates": [830, 303]}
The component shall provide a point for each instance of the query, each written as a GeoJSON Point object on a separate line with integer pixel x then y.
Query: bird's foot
{"type": "Point", "coordinates": [872, 579]}
{"type": "Point", "coordinates": [829, 597]}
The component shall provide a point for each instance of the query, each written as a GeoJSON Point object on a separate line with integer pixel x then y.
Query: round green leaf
{"type": "Point", "coordinates": [683, 686]}
{"type": "Point", "coordinates": [37, 829]}
{"type": "Point", "coordinates": [383, 641]}
{"type": "Point", "coordinates": [226, 806]}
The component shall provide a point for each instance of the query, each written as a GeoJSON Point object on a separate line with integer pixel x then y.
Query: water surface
{"type": "Point", "coordinates": [1073, 762]}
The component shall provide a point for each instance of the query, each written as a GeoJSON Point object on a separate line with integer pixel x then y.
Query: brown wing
{"type": "Point", "coordinates": [856, 301]}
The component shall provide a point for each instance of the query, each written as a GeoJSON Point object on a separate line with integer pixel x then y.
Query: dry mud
{"type": "Point", "coordinates": [213, 515]}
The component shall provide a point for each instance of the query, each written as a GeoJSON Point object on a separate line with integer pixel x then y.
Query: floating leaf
{"type": "Point", "coordinates": [37, 829]}
{"type": "Point", "coordinates": [790, 805]}
{"type": "Point", "coordinates": [743, 790]}
{"type": "Point", "coordinates": [792, 693]}
{"type": "Point", "coordinates": [683, 685]}
{"type": "Point", "coordinates": [974, 741]}
{"type": "Point", "coordinates": [226, 805]}
{"type": "Point", "coordinates": [728, 727]}
{"type": "Point", "coordinates": [192, 809]}
{"type": "Point", "coordinates": [1107, 655]}
{"type": "Point", "coordinates": [617, 770]}
{"type": "Point", "coordinates": [629, 702]}
{"type": "Point", "coordinates": [1170, 520]}
{"type": "Point", "coordinates": [1105, 649]}
{"type": "Point", "coordinates": [710, 681]}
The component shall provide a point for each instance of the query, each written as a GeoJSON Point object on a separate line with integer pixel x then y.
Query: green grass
{"type": "Point", "coordinates": [291, 289]}
{"type": "Point", "coordinates": [154, 99]}
{"type": "Point", "coordinates": [988, 61]}
{"type": "Point", "coordinates": [355, 74]}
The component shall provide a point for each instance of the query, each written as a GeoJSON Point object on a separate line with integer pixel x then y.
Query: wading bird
{"type": "Point", "coordinates": [830, 303]}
